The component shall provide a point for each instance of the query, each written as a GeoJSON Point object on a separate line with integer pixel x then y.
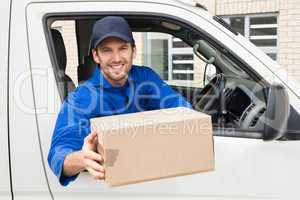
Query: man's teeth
{"type": "Point", "coordinates": [117, 66]}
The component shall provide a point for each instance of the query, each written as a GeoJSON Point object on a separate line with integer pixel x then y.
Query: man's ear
{"type": "Point", "coordinates": [133, 52]}
{"type": "Point", "coordinates": [95, 56]}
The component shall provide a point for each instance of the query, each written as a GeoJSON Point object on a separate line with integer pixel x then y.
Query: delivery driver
{"type": "Point", "coordinates": [116, 87]}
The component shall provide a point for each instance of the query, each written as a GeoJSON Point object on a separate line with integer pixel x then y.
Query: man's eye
{"type": "Point", "coordinates": [106, 50]}
{"type": "Point", "coordinates": [124, 48]}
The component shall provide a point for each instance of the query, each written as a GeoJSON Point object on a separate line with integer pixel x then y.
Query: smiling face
{"type": "Point", "coordinates": [115, 59]}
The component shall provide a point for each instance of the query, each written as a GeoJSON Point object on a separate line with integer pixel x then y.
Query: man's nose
{"type": "Point", "coordinates": [116, 57]}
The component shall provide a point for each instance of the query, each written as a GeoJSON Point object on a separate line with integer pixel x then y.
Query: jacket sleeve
{"type": "Point", "coordinates": [71, 128]}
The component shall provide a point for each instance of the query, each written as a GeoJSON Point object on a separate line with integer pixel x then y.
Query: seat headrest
{"type": "Point", "coordinates": [60, 49]}
{"type": "Point", "coordinates": [86, 69]}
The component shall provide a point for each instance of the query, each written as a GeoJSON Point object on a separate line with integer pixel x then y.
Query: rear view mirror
{"type": "Point", "coordinates": [202, 47]}
{"type": "Point", "coordinates": [277, 113]}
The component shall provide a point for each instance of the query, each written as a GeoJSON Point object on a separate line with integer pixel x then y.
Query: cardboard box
{"type": "Point", "coordinates": [155, 144]}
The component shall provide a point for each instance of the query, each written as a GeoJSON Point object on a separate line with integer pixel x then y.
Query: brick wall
{"type": "Point", "coordinates": [289, 36]}
{"type": "Point", "coordinates": [228, 7]}
{"type": "Point", "coordinates": [139, 40]}
{"type": "Point", "coordinates": [288, 24]}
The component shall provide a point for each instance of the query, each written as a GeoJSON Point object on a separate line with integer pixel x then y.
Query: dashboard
{"type": "Point", "coordinates": [244, 102]}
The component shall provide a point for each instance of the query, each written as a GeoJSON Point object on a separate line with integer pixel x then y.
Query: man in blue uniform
{"type": "Point", "coordinates": [116, 87]}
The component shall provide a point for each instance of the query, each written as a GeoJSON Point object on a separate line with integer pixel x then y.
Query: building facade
{"type": "Point", "coordinates": [272, 25]}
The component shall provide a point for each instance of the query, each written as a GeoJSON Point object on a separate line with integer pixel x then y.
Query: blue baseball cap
{"type": "Point", "coordinates": [111, 26]}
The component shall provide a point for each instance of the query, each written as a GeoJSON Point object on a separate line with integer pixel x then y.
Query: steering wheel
{"type": "Point", "coordinates": [208, 100]}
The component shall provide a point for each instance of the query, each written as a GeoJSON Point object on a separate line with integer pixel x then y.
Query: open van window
{"type": "Point", "coordinates": [166, 43]}
{"type": "Point", "coordinates": [234, 97]}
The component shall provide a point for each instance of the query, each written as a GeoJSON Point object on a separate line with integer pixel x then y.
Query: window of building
{"type": "Point", "coordinates": [172, 59]}
{"type": "Point", "coordinates": [181, 59]}
{"type": "Point", "coordinates": [261, 30]}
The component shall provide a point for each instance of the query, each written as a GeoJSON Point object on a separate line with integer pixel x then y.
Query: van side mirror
{"type": "Point", "coordinates": [277, 113]}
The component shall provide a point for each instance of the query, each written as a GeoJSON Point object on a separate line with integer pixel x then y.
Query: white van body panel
{"type": "Point", "coordinates": [28, 176]}
{"type": "Point", "coordinates": [245, 168]}
{"type": "Point", "coordinates": [5, 190]}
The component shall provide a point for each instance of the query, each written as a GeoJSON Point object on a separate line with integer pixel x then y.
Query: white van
{"type": "Point", "coordinates": [254, 105]}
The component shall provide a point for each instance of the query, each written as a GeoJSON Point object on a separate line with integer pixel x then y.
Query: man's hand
{"type": "Point", "coordinates": [92, 161]}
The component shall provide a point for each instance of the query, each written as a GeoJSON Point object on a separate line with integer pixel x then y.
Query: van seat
{"type": "Point", "coordinates": [65, 82]}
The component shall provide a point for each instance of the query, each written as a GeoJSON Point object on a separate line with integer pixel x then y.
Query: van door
{"type": "Point", "coordinates": [28, 178]}
{"type": "Point", "coordinates": [245, 167]}
{"type": "Point", "coordinates": [5, 184]}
